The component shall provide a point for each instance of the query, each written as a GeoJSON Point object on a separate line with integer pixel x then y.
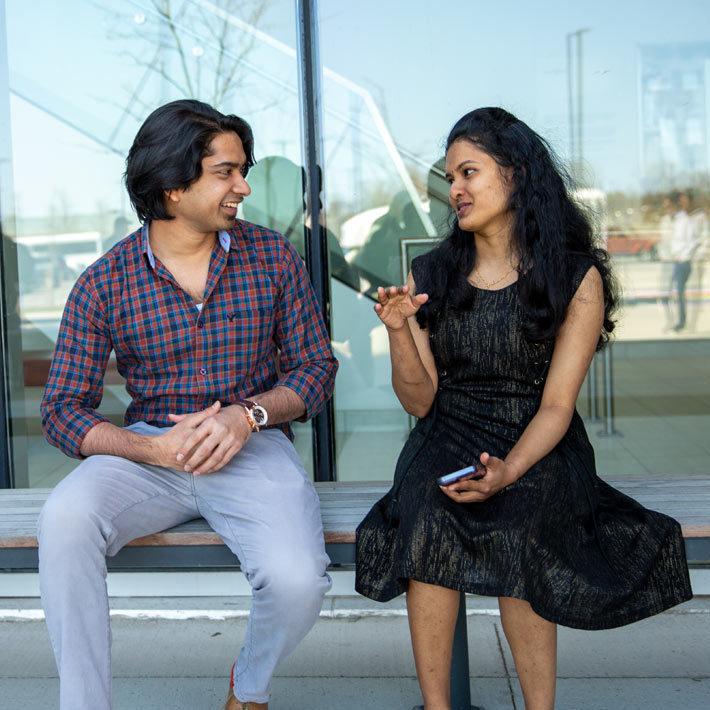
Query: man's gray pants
{"type": "Point", "coordinates": [262, 504]}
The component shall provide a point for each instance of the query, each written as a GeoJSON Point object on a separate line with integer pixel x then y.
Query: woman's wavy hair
{"type": "Point", "coordinates": [550, 232]}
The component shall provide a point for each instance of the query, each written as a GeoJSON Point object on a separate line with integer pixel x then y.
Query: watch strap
{"type": "Point", "coordinates": [256, 414]}
{"type": "Point", "coordinates": [248, 405]}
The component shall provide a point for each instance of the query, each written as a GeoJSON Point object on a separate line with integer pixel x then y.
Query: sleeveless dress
{"type": "Point", "coordinates": [580, 552]}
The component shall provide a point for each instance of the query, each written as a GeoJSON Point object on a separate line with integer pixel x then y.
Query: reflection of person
{"type": "Point", "coordinates": [120, 227]}
{"type": "Point", "coordinates": [699, 221]}
{"type": "Point", "coordinates": [438, 192]}
{"type": "Point", "coordinates": [380, 255]}
{"type": "Point", "coordinates": [684, 243]}
{"type": "Point", "coordinates": [62, 271]}
{"type": "Point", "coordinates": [278, 203]}
{"type": "Point", "coordinates": [666, 260]}
{"type": "Point", "coordinates": [490, 341]}
{"type": "Point", "coordinates": [203, 311]}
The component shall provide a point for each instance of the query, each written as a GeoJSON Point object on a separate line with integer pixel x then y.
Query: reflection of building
{"type": "Point", "coordinates": [674, 93]}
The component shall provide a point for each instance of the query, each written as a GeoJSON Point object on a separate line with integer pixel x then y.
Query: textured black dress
{"type": "Point", "coordinates": [582, 553]}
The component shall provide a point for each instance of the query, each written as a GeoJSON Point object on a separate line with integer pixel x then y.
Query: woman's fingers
{"type": "Point", "coordinates": [464, 496]}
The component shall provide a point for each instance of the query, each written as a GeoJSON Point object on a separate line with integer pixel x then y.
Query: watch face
{"type": "Point", "coordinates": [259, 414]}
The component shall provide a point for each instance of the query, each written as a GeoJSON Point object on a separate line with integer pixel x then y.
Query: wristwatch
{"type": "Point", "coordinates": [257, 416]}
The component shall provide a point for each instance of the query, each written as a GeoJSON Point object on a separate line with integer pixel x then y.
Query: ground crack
{"type": "Point", "coordinates": [505, 666]}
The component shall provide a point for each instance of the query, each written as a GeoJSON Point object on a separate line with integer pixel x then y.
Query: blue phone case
{"type": "Point", "coordinates": [456, 475]}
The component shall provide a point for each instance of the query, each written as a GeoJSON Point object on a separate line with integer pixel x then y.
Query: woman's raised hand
{"type": "Point", "coordinates": [396, 305]}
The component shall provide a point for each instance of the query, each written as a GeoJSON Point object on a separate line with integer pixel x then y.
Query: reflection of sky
{"type": "Point", "coordinates": [428, 63]}
{"type": "Point", "coordinates": [424, 63]}
{"type": "Point", "coordinates": [78, 74]}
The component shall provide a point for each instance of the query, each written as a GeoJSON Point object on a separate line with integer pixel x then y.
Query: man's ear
{"type": "Point", "coordinates": [172, 195]}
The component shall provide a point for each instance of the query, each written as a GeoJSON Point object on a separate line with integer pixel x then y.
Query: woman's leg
{"type": "Point", "coordinates": [432, 614]}
{"type": "Point", "coordinates": [533, 641]}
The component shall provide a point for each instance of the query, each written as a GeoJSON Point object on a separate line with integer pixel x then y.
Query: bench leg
{"type": "Point", "coordinates": [460, 684]}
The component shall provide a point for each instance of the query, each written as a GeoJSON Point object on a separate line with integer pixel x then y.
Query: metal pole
{"type": "Point", "coordinates": [592, 390]}
{"type": "Point", "coordinates": [580, 107]}
{"type": "Point", "coordinates": [10, 340]}
{"type": "Point", "coordinates": [316, 243]}
{"type": "Point", "coordinates": [570, 106]}
{"type": "Point", "coordinates": [608, 396]}
{"type": "Point", "coordinates": [608, 399]}
{"type": "Point", "coordinates": [575, 117]}
{"type": "Point", "coordinates": [460, 684]}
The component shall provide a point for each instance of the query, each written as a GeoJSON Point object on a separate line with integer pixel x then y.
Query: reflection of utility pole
{"type": "Point", "coordinates": [575, 99]}
{"type": "Point", "coordinates": [575, 90]}
{"type": "Point", "coordinates": [357, 179]}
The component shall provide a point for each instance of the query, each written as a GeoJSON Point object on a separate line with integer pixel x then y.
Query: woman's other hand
{"type": "Point", "coordinates": [396, 305]}
{"type": "Point", "coordinates": [498, 474]}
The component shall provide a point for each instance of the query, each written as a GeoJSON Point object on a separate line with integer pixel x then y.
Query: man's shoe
{"type": "Point", "coordinates": [233, 703]}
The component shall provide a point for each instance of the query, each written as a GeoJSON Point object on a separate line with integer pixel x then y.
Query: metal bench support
{"type": "Point", "coordinates": [460, 682]}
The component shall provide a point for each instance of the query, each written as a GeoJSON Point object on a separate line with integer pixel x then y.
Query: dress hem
{"type": "Point", "coordinates": [612, 621]}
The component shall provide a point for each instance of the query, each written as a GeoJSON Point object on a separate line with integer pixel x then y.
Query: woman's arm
{"type": "Point", "coordinates": [414, 377]}
{"type": "Point", "coordinates": [574, 349]}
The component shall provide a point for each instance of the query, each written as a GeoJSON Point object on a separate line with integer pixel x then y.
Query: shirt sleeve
{"type": "Point", "coordinates": [75, 384]}
{"type": "Point", "coordinates": [307, 362]}
{"type": "Point", "coordinates": [684, 240]}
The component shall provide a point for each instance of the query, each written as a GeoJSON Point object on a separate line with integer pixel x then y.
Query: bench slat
{"type": "Point", "coordinates": [344, 504]}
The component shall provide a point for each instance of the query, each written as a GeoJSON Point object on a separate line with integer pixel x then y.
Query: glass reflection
{"type": "Point", "coordinates": [624, 102]}
{"type": "Point", "coordinates": [69, 146]}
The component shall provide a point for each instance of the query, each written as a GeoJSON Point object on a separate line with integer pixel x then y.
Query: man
{"type": "Point", "coordinates": [684, 243]}
{"type": "Point", "coordinates": [218, 335]}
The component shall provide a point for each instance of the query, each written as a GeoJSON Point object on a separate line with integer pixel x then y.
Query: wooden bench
{"type": "Point", "coordinates": [343, 505]}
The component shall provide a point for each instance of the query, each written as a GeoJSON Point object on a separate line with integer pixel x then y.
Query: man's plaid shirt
{"type": "Point", "coordinates": [260, 318]}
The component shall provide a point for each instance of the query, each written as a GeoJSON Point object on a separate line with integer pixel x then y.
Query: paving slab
{"type": "Point", "coordinates": [288, 694]}
{"type": "Point", "coordinates": [629, 694]}
{"type": "Point", "coordinates": [675, 644]}
{"type": "Point", "coordinates": [358, 656]}
{"type": "Point", "coordinates": [360, 647]}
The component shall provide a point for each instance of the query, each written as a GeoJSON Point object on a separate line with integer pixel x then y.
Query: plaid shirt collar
{"type": "Point", "coordinates": [223, 237]}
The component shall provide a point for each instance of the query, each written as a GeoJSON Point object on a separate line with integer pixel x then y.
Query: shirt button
{"type": "Point", "coordinates": [200, 324]}
{"type": "Point", "coordinates": [203, 371]}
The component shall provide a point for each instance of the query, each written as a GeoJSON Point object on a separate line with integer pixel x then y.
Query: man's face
{"type": "Point", "coordinates": [211, 202]}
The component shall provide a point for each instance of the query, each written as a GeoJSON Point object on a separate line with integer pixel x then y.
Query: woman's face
{"type": "Point", "coordinates": [479, 190]}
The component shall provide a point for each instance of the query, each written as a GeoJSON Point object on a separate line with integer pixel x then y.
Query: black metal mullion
{"type": "Point", "coordinates": [6, 477]}
{"type": "Point", "coordinates": [316, 240]}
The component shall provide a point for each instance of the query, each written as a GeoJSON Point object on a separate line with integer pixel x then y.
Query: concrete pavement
{"type": "Point", "coordinates": [176, 653]}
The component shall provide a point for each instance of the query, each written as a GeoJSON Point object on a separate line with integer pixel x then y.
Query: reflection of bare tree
{"type": "Point", "coordinates": [190, 45]}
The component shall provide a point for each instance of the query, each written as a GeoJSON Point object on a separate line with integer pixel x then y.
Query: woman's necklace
{"type": "Point", "coordinates": [490, 284]}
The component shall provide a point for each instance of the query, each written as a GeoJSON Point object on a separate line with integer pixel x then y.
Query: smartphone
{"type": "Point", "coordinates": [450, 478]}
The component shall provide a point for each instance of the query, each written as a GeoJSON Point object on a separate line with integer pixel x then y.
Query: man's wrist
{"type": "Point", "coordinates": [257, 416]}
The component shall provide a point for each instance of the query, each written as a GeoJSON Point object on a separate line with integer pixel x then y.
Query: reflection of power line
{"type": "Point", "coordinates": [67, 122]}
{"type": "Point", "coordinates": [575, 98]}
{"type": "Point", "coordinates": [134, 96]}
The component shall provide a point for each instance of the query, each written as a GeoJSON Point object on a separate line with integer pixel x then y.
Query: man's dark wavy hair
{"type": "Point", "coordinates": [550, 232]}
{"type": "Point", "coordinates": [168, 150]}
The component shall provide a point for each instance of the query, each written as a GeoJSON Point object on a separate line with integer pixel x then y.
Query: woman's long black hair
{"type": "Point", "coordinates": [550, 232]}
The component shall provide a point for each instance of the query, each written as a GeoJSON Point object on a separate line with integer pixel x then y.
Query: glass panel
{"type": "Point", "coordinates": [72, 123]}
{"type": "Point", "coordinates": [623, 99]}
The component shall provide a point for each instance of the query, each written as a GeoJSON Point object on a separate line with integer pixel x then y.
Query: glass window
{"type": "Point", "coordinates": [624, 99]}
{"type": "Point", "coordinates": [82, 78]}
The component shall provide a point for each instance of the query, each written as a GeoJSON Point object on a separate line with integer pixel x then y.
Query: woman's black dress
{"type": "Point", "coordinates": [582, 553]}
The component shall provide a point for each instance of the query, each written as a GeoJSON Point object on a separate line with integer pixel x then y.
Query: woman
{"type": "Point", "coordinates": [490, 341]}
